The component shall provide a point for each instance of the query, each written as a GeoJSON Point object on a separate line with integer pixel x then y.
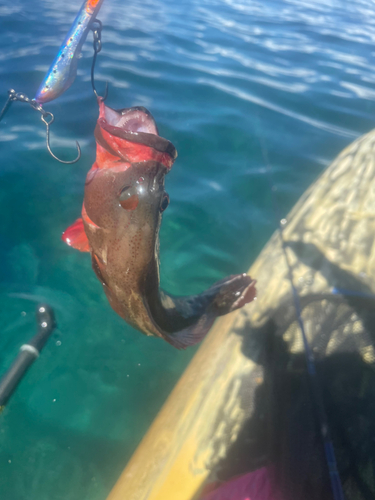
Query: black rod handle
{"type": "Point", "coordinates": [28, 353]}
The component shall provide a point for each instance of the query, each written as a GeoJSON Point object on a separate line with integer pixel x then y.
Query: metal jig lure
{"type": "Point", "coordinates": [63, 70]}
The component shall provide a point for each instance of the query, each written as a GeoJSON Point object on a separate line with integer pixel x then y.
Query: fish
{"type": "Point", "coordinates": [124, 199]}
{"type": "Point", "coordinates": [63, 69]}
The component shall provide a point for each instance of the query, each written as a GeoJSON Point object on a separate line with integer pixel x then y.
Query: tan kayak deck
{"type": "Point", "coordinates": [330, 235]}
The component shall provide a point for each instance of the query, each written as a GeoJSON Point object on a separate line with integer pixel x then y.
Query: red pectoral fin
{"type": "Point", "coordinates": [75, 236]}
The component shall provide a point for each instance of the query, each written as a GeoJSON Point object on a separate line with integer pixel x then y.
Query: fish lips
{"type": "Point", "coordinates": [114, 134]}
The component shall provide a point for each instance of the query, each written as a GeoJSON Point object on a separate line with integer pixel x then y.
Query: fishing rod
{"type": "Point", "coordinates": [324, 428]}
{"type": "Point", "coordinates": [28, 353]}
{"type": "Point", "coordinates": [63, 69]}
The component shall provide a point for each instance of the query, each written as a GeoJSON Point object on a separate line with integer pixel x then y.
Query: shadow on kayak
{"type": "Point", "coordinates": [282, 431]}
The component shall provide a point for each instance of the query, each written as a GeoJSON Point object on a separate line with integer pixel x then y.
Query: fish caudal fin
{"type": "Point", "coordinates": [223, 297]}
{"type": "Point", "coordinates": [75, 236]}
{"type": "Point", "coordinates": [232, 293]}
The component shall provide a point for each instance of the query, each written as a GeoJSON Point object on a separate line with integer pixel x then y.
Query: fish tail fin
{"type": "Point", "coordinates": [232, 293]}
{"type": "Point", "coordinates": [223, 297]}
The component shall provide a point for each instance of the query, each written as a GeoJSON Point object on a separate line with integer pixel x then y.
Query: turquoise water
{"type": "Point", "coordinates": [231, 84]}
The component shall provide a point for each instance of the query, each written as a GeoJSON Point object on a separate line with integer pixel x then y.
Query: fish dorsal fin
{"type": "Point", "coordinates": [75, 236]}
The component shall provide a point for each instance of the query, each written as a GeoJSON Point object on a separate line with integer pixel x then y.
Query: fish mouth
{"type": "Point", "coordinates": [135, 125]}
{"type": "Point", "coordinates": [133, 120]}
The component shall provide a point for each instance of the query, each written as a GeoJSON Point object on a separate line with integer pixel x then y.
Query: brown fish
{"type": "Point", "coordinates": [121, 215]}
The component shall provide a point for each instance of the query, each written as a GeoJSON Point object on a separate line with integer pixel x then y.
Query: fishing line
{"type": "Point", "coordinates": [329, 451]}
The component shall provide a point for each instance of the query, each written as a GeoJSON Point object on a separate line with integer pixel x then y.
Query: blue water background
{"type": "Point", "coordinates": [232, 84]}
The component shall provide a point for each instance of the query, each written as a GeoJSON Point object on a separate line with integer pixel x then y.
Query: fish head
{"type": "Point", "coordinates": [124, 190]}
{"type": "Point", "coordinates": [117, 197]}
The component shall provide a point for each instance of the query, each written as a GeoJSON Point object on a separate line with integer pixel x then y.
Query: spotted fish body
{"type": "Point", "coordinates": [123, 204]}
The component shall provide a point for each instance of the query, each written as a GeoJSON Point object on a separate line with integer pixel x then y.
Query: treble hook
{"type": "Point", "coordinates": [47, 118]}
{"type": "Point", "coordinates": [97, 43]}
{"type": "Point", "coordinates": [48, 121]}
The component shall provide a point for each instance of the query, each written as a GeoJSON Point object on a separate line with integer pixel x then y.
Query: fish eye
{"type": "Point", "coordinates": [128, 198]}
{"type": "Point", "coordinates": [164, 202]}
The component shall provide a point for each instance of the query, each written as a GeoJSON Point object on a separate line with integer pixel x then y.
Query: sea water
{"type": "Point", "coordinates": [236, 86]}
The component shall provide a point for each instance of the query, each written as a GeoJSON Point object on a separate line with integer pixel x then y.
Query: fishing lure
{"type": "Point", "coordinates": [63, 70]}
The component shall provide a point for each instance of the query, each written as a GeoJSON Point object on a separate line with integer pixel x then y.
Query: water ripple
{"type": "Point", "coordinates": [333, 129]}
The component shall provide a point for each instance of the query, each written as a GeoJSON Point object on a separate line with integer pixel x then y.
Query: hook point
{"type": "Point", "coordinates": [66, 162]}
{"type": "Point", "coordinates": [105, 92]}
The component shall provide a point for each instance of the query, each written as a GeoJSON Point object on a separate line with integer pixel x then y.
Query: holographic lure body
{"type": "Point", "coordinates": [63, 70]}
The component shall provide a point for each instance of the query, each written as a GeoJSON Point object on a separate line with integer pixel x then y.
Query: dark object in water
{"type": "Point", "coordinates": [121, 215]}
{"type": "Point", "coordinates": [28, 353]}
